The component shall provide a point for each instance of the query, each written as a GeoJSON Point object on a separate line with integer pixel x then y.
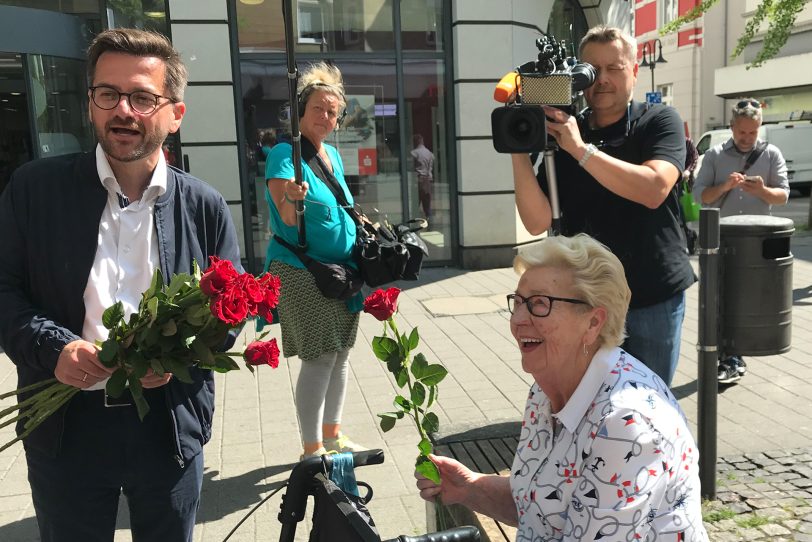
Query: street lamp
{"type": "Point", "coordinates": [648, 57]}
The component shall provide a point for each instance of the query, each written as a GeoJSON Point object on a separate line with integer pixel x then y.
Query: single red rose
{"type": "Point", "coordinates": [262, 353]}
{"type": "Point", "coordinates": [381, 303]}
{"type": "Point", "coordinates": [217, 276]}
{"type": "Point", "coordinates": [230, 307]}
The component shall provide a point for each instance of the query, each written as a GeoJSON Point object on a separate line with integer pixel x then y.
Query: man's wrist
{"type": "Point", "coordinates": [588, 153]}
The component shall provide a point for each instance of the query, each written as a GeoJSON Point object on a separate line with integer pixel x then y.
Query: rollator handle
{"type": "Point", "coordinates": [458, 534]}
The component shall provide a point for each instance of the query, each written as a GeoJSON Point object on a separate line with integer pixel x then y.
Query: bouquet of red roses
{"type": "Point", "coordinates": [177, 326]}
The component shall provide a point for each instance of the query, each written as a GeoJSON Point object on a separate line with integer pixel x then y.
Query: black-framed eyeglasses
{"type": "Point", "coordinates": [538, 305]}
{"type": "Point", "coordinates": [140, 101]}
{"type": "Point", "coordinates": [748, 103]}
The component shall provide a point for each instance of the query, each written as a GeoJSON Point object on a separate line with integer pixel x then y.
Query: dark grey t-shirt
{"type": "Point", "coordinates": [649, 242]}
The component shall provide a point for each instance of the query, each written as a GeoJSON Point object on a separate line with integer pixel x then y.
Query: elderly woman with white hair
{"type": "Point", "coordinates": [604, 450]}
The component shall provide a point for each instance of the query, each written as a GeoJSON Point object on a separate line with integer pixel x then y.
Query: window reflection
{"type": "Point", "coordinates": [369, 142]}
{"type": "Point", "coordinates": [59, 98]}
{"type": "Point", "coordinates": [340, 25]}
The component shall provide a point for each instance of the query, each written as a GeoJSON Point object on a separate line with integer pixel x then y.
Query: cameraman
{"type": "Point", "coordinates": [617, 166]}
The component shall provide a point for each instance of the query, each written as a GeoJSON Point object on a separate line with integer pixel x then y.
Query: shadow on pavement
{"type": "Point", "coordinates": [24, 529]}
{"type": "Point", "coordinates": [801, 296]}
{"type": "Point", "coordinates": [222, 497]}
{"type": "Point", "coordinates": [685, 390]}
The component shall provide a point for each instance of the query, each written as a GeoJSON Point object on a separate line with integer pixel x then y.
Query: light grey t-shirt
{"type": "Point", "coordinates": [722, 160]}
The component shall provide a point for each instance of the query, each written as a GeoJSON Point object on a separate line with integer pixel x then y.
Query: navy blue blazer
{"type": "Point", "coordinates": [49, 227]}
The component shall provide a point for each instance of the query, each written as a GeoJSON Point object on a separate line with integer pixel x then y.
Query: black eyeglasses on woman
{"type": "Point", "coordinates": [538, 305]}
{"type": "Point", "coordinates": [140, 101]}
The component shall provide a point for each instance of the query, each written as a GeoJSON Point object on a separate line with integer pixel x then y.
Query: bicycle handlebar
{"type": "Point", "coordinates": [458, 534]}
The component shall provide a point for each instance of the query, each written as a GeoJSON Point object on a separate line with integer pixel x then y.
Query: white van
{"type": "Point", "coordinates": [793, 138]}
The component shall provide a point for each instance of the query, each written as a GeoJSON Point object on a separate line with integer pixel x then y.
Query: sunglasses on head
{"type": "Point", "coordinates": [745, 103]}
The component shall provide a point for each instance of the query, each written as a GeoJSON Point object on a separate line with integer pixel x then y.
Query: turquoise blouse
{"type": "Point", "coordinates": [330, 231]}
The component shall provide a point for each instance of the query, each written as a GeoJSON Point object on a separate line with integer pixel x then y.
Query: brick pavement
{"type": "Point", "coordinates": [462, 323]}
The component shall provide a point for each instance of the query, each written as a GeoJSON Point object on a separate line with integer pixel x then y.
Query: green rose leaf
{"type": "Point", "coordinates": [152, 309]}
{"type": "Point", "coordinates": [432, 396]}
{"type": "Point", "coordinates": [403, 403]}
{"type": "Point", "coordinates": [414, 339]}
{"type": "Point", "coordinates": [137, 391]}
{"type": "Point", "coordinates": [169, 329]}
{"type": "Point", "coordinates": [424, 466]}
{"type": "Point", "coordinates": [425, 447]}
{"type": "Point", "coordinates": [109, 353]}
{"type": "Point", "coordinates": [181, 281]}
{"type": "Point", "coordinates": [224, 363]}
{"type": "Point", "coordinates": [402, 376]}
{"type": "Point", "coordinates": [115, 386]}
{"type": "Point", "coordinates": [203, 353]}
{"type": "Point", "coordinates": [179, 369]}
{"type": "Point", "coordinates": [388, 420]}
{"type": "Point", "coordinates": [139, 371]}
{"type": "Point", "coordinates": [419, 366]}
{"type": "Point", "coordinates": [113, 315]}
{"type": "Point", "coordinates": [418, 393]}
{"type": "Point", "coordinates": [384, 347]}
{"type": "Point", "coordinates": [155, 285]}
{"type": "Point", "coordinates": [434, 374]}
{"type": "Point", "coordinates": [430, 424]}
{"type": "Point", "coordinates": [157, 367]}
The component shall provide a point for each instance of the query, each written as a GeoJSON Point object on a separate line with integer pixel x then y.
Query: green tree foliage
{"type": "Point", "coordinates": [779, 15]}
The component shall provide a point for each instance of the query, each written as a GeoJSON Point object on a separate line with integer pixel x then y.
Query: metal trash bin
{"type": "Point", "coordinates": [756, 285]}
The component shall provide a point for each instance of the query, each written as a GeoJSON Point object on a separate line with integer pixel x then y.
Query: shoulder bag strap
{"type": "Point", "coordinates": [754, 155]}
{"type": "Point", "coordinates": [299, 252]}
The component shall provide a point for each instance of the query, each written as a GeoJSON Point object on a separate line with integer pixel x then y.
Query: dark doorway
{"type": "Point", "coordinates": [15, 126]}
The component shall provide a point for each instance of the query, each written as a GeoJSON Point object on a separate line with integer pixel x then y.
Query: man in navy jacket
{"type": "Point", "coordinates": [80, 232]}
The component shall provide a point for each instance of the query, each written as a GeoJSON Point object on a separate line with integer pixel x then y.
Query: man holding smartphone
{"type": "Point", "coordinates": [743, 176]}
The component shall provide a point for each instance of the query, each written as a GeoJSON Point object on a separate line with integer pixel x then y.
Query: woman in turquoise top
{"type": "Point", "coordinates": [319, 330]}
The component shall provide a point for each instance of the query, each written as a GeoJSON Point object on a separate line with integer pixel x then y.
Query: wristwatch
{"type": "Point", "coordinates": [590, 150]}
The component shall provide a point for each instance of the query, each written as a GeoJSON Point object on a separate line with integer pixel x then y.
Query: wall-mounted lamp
{"type": "Point", "coordinates": [648, 57]}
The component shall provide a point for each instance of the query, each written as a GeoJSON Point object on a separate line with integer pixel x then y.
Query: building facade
{"type": "Point", "coordinates": [412, 68]}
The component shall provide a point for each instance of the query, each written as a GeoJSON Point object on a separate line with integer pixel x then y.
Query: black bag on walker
{"type": "Point", "coordinates": [340, 516]}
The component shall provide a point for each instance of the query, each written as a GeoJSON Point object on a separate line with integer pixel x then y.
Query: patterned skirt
{"type": "Point", "coordinates": [312, 324]}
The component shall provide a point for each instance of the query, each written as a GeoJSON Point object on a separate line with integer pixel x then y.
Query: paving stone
{"type": "Point", "coordinates": [775, 454]}
{"type": "Point", "coordinates": [774, 469]}
{"type": "Point", "coordinates": [774, 513]}
{"type": "Point", "coordinates": [774, 530]}
{"type": "Point", "coordinates": [750, 534]}
{"type": "Point", "coordinates": [726, 525]}
{"type": "Point", "coordinates": [805, 526]}
{"type": "Point", "coordinates": [801, 537]}
{"type": "Point", "coordinates": [728, 496]}
{"type": "Point", "coordinates": [726, 537]}
{"type": "Point", "coordinates": [802, 483]}
{"type": "Point", "coordinates": [739, 507]}
{"type": "Point", "coordinates": [791, 524]}
{"type": "Point", "coordinates": [761, 503]}
{"type": "Point", "coordinates": [745, 466]}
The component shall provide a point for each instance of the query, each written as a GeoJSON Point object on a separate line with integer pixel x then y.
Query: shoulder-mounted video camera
{"type": "Point", "coordinates": [552, 79]}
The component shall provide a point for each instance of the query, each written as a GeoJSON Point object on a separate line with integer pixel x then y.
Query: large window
{"type": "Point", "coordinates": [567, 22]}
{"type": "Point", "coordinates": [394, 141]}
{"type": "Point", "coordinates": [668, 11]}
{"type": "Point", "coordinates": [321, 26]}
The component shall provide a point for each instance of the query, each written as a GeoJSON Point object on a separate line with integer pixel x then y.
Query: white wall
{"type": "Point", "coordinates": [489, 226]}
{"type": "Point", "coordinates": [209, 130]}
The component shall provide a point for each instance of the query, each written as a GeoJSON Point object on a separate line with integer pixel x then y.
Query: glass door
{"type": "Point", "coordinates": [15, 131]}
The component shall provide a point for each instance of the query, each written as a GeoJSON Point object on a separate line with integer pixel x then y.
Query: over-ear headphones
{"type": "Point", "coordinates": [304, 96]}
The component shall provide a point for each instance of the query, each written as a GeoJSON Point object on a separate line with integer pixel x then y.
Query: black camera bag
{"type": "Point", "coordinates": [382, 256]}
{"type": "Point", "coordinates": [334, 280]}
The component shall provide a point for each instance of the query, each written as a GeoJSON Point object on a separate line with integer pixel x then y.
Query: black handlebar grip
{"type": "Point", "coordinates": [458, 534]}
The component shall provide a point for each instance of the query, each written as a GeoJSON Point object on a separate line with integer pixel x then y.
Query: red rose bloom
{"type": "Point", "coordinates": [217, 276]}
{"type": "Point", "coordinates": [230, 307]}
{"type": "Point", "coordinates": [262, 353]}
{"type": "Point", "coordinates": [248, 286]}
{"type": "Point", "coordinates": [381, 303]}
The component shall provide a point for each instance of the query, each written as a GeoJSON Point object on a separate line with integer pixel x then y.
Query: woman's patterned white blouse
{"type": "Point", "coordinates": [616, 463]}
